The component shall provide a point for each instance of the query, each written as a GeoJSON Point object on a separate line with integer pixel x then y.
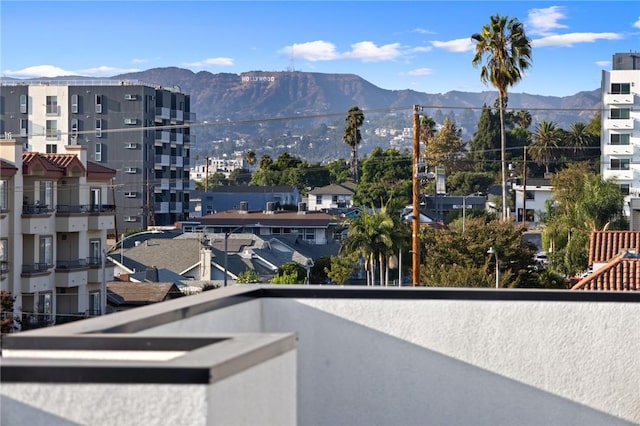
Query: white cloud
{"type": "Point", "coordinates": [420, 71]}
{"type": "Point", "coordinates": [419, 49]}
{"type": "Point", "coordinates": [458, 45]}
{"type": "Point", "coordinates": [139, 61]}
{"type": "Point", "coordinates": [603, 64]}
{"type": "Point", "coordinates": [211, 62]}
{"type": "Point", "coordinates": [53, 71]}
{"type": "Point", "coordinates": [545, 21]}
{"type": "Point", "coordinates": [422, 31]}
{"type": "Point", "coordinates": [367, 51]}
{"type": "Point", "coordinates": [568, 40]}
{"type": "Point", "coordinates": [637, 23]}
{"type": "Point", "coordinates": [318, 50]}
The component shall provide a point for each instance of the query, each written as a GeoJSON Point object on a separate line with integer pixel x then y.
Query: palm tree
{"type": "Point", "coordinates": [545, 142]}
{"type": "Point", "coordinates": [427, 130]}
{"type": "Point", "coordinates": [251, 157]}
{"type": "Point", "coordinates": [352, 137]}
{"type": "Point", "coordinates": [579, 137]}
{"type": "Point", "coordinates": [508, 52]}
{"type": "Point", "coordinates": [523, 119]}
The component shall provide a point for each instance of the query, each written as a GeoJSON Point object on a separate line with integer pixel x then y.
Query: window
{"type": "Point", "coordinates": [95, 255]}
{"type": "Point", "coordinates": [4, 195]}
{"type": "Point", "coordinates": [318, 199]}
{"type": "Point", "coordinates": [620, 113]}
{"type": "Point", "coordinates": [46, 194]}
{"type": "Point", "coordinates": [24, 127]}
{"type": "Point", "coordinates": [74, 104]}
{"type": "Point", "coordinates": [620, 88]}
{"type": "Point", "coordinates": [531, 195]}
{"type": "Point", "coordinates": [94, 303]}
{"type": "Point", "coordinates": [4, 255]}
{"type": "Point", "coordinates": [52, 105]}
{"type": "Point", "coordinates": [620, 139]}
{"type": "Point", "coordinates": [99, 104]}
{"type": "Point", "coordinates": [74, 126]}
{"type": "Point", "coordinates": [624, 188]}
{"type": "Point", "coordinates": [51, 148]}
{"type": "Point", "coordinates": [98, 128]}
{"type": "Point", "coordinates": [44, 307]}
{"type": "Point", "coordinates": [617, 164]}
{"type": "Point", "coordinates": [46, 250]}
{"type": "Point", "coordinates": [130, 121]}
{"type": "Point", "coordinates": [23, 104]}
{"type": "Point", "coordinates": [96, 199]}
{"type": "Point", "coordinates": [52, 129]}
{"type": "Point", "coordinates": [98, 153]}
{"type": "Point", "coordinates": [130, 145]}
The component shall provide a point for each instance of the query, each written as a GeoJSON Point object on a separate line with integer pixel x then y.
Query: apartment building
{"type": "Point", "coordinates": [138, 129]}
{"type": "Point", "coordinates": [620, 135]}
{"type": "Point", "coordinates": [54, 221]}
{"type": "Point", "coordinates": [213, 165]}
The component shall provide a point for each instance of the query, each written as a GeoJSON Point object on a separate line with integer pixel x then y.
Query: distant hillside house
{"type": "Point", "coordinates": [335, 196]}
{"type": "Point", "coordinates": [213, 165]}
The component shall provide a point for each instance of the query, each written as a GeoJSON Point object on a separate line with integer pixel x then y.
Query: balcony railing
{"type": "Point", "coordinates": [102, 208]}
{"type": "Point", "coordinates": [36, 209]}
{"type": "Point", "coordinates": [35, 268]}
{"type": "Point", "coordinates": [72, 264]}
{"type": "Point", "coordinates": [71, 209]}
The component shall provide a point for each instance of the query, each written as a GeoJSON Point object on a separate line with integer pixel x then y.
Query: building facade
{"type": "Point", "coordinates": [54, 218]}
{"type": "Point", "coordinates": [140, 130]}
{"type": "Point", "coordinates": [620, 135]}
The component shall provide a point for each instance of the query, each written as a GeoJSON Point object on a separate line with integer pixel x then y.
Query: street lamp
{"type": "Point", "coordinates": [495, 252]}
{"type": "Point", "coordinates": [226, 254]}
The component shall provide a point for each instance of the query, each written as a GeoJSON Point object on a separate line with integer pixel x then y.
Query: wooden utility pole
{"type": "Point", "coordinates": [415, 242]}
{"type": "Point", "coordinates": [524, 188]}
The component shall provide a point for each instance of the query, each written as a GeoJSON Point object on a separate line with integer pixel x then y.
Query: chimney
{"type": "Point", "coordinates": [271, 207]}
{"type": "Point", "coordinates": [302, 208]}
{"type": "Point", "coordinates": [244, 207]}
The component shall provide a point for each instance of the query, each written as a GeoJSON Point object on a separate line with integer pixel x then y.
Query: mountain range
{"type": "Point", "coordinates": [303, 112]}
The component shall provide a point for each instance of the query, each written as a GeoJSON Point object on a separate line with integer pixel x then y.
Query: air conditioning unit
{"type": "Point", "coordinates": [130, 145]}
{"type": "Point", "coordinates": [130, 97]}
{"type": "Point", "coordinates": [131, 170]}
{"type": "Point", "coordinates": [130, 121]}
{"type": "Point", "coordinates": [131, 194]}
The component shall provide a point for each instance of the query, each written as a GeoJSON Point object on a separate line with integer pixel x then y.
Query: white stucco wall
{"type": "Point", "coordinates": [462, 362]}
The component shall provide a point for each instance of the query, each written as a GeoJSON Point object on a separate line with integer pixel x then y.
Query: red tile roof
{"type": "Point", "coordinates": [7, 169]}
{"type": "Point", "coordinates": [98, 171]}
{"type": "Point", "coordinates": [605, 245]}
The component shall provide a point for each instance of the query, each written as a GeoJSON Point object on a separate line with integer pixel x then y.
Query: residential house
{"type": "Point", "coordinates": [212, 165]}
{"type": "Point", "coordinates": [620, 135]}
{"type": "Point", "coordinates": [122, 295]}
{"type": "Point", "coordinates": [221, 198]}
{"type": "Point", "coordinates": [334, 196]}
{"type": "Point", "coordinates": [614, 261]}
{"type": "Point", "coordinates": [140, 130]}
{"type": "Point", "coordinates": [54, 220]}
{"type": "Point", "coordinates": [538, 191]}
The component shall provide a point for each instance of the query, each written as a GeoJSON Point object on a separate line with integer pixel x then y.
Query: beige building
{"type": "Point", "coordinates": [54, 220]}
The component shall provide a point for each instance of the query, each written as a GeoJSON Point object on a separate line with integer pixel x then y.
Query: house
{"type": "Point", "coordinates": [54, 221]}
{"type": "Point", "coordinates": [334, 196]}
{"type": "Point", "coordinates": [140, 130]}
{"type": "Point", "coordinates": [538, 192]}
{"type": "Point", "coordinates": [222, 198]}
{"type": "Point", "coordinates": [614, 261]}
{"type": "Point", "coordinates": [123, 295]}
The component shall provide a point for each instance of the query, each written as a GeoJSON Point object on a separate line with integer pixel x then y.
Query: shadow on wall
{"type": "Point", "coordinates": [359, 376]}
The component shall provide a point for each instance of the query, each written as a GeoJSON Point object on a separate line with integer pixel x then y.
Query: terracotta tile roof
{"type": "Point", "coordinates": [605, 245]}
{"type": "Point", "coordinates": [7, 169]}
{"type": "Point", "coordinates": [52, 165]}
{"type": "Point", "coordinates": [98, 171]}
{"type": "Point", "coordinates": [622, 273]}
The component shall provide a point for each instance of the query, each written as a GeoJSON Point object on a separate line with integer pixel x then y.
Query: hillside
{"type": "Point", "coordinates": [303, 113]}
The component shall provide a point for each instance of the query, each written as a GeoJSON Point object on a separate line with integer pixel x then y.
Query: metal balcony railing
{"type": "Point", "coordinates": [71, 209]}
{"type": "Point", "coordinates": [71, 264]}
{"type": "Point", "coordinates": [35, 268]}
{"type": "Point", "coordinates": [36, 209]}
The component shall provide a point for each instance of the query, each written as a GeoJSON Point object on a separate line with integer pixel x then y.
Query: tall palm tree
{"type": "Point", "coordinates": [579, 137]}
{"type": "Point", "coordinates": [251, 157]}
{"type": "Point", "coordinates": [352, 137]}
{"type": "Point", "coordinates": [508, 52]}
{"type": "Point", "coordinates": [545, 142]}
{"type": "Point", "coordinates": [523, 119]}
{"type": "Point", "coordinates": [427, 130]}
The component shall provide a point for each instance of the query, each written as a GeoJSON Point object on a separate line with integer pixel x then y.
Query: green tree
{"type": "Point", "coordinates": [239, 177]}
{"type": "Point", "coordinates": [251, 158]}
{"type": "Point", "coordinates": [386, 175]}
{"type": "Point", "coordinates": [339, 171]}
{"type": "Point", "coordinates": [484, 147]}
{"type": "Point", "coordinates": [342, 267]}
{"type": "Point", "coordinates": [459, 259]}
{"type": "Point", "coordinates": [290, 273]}
{"type": "Point", "coordinates": [579, 138]}
{"type": "Point", "coordinates": [248, 277]}
{"type": "Point", "coordinates": [522, 119]}
{"type": "Point", "coordinates": [446, 148]}
{"type": "Point", "coordinates": [544, 143]}
{"type": "Point", "coordinates": [353, 137]}
{"type": "Point", "coordinates": [508, 50]}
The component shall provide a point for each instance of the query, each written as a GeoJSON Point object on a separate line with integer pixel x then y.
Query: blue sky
{"type": "Point", "coordinates": [419, 45]}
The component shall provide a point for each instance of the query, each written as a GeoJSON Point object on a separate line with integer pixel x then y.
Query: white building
{"type": "Point", "coordinates": [54, 220]}
{"type": "Point", "coordinates": [538, 191]}
{"type": "Point", "coordinates": [620, 135]}
{"type": "Point", "coordinates": [213, 165]}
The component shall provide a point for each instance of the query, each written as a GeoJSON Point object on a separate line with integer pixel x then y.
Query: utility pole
{"type": "Point", "coordinates": [206, 175]}
{"type": "Point", "coordinates": [524, 188]}
{"type": "Point", "coordinates": [415, 241]}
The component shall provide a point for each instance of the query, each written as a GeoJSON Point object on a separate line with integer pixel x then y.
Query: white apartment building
{"type": "Point", "coordinates": [620, 135]}
{"type": "Point", "coordinates": [213, 165]}
{"type": "Point", "coordinates": [54, 220]}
